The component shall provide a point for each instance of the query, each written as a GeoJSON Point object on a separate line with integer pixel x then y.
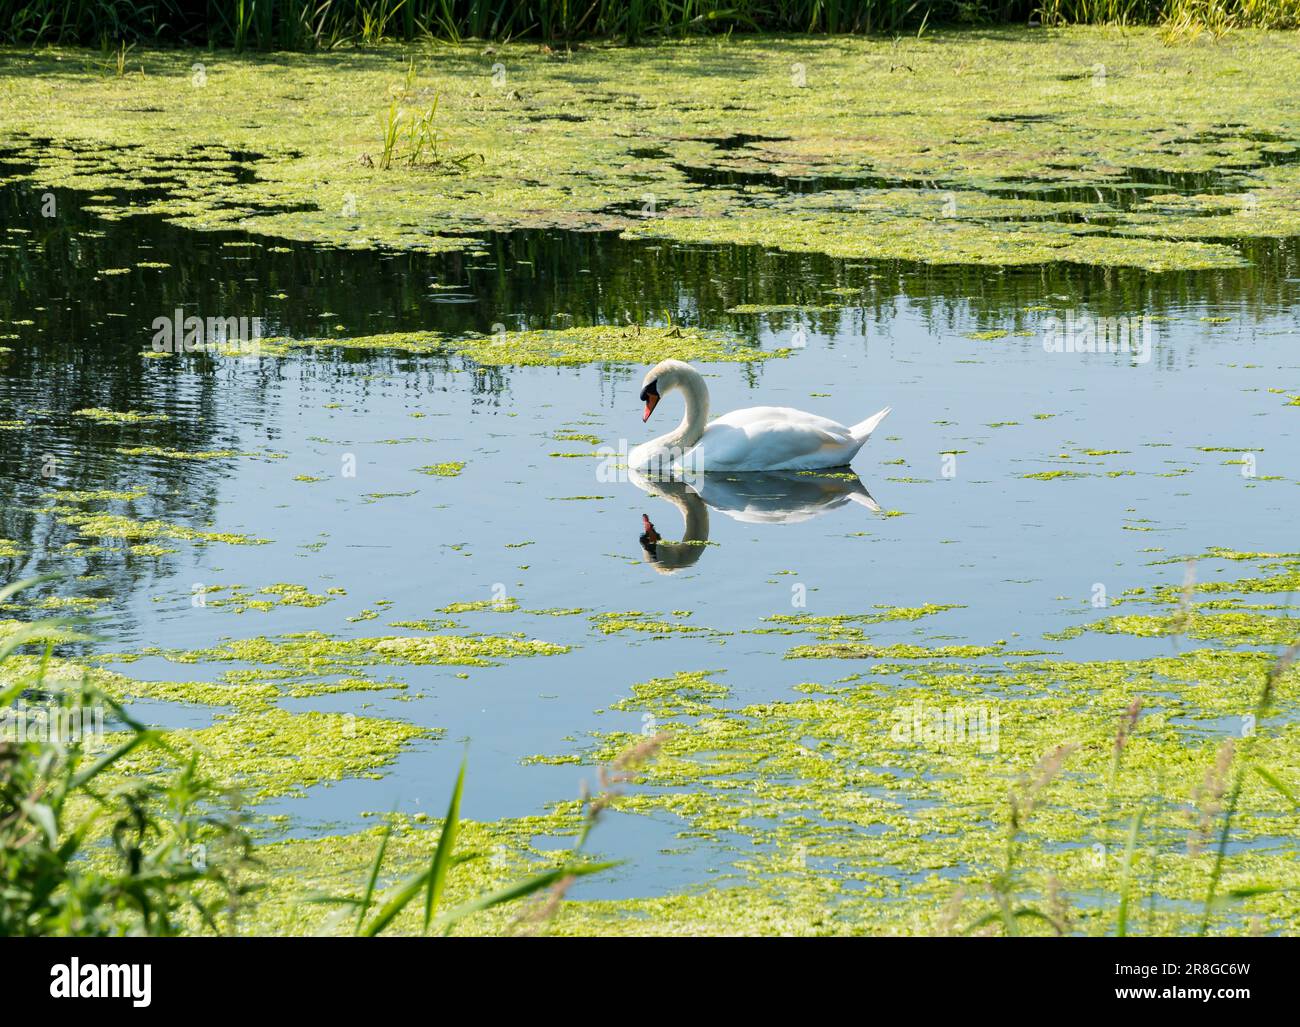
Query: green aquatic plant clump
{"type": "Point", "coordinates": [633, 344]}
{"type": "Point", "coordinates": [119, 526]}
{"type": "Point", "coordinates": [268, 597]}
{"type": "Point", "coordinates": [103, 416]}
{"type": "Point", "coordinates": [447, 469]}
{"type": "Point", "coordinates": [166, 453]}
{"type": "Point", "coordinates": [95, 495]}
{"type": "Point", "coordinates": [277, 753]}
{"type": "Point", "coordinates": [316, 654]}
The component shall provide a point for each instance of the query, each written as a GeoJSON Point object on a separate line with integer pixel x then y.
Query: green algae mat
{"type": "Point", "coordinates": [996, 147]}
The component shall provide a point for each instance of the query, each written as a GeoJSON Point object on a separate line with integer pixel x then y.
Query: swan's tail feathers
{"type": "Point", "coordinates": [864, 498]}
{"type": "Point", "coordinates": [863, 429]}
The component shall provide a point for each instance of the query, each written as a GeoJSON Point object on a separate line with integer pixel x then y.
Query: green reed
{"type": "Point", "coordinates": [429, 883]}
{"type": "Point", "coordinates": [84, 852]}
{"type": "Point", "coordinates": [1236, 761]}
{"type": "Point", "coordinates": [310, 24]}
{"type": "Point", "coordinates": [391, 124]}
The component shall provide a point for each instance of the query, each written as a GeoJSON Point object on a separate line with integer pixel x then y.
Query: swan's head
{"type": "Point", "coordinates": [660, 379]}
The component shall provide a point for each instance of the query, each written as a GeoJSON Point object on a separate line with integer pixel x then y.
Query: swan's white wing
{"type": "Point", "coordinates": [721, 446]}
{"type": "Point", "coordinates": [767, 437]}
{"type": "Point", "coordinates": [759, 418]}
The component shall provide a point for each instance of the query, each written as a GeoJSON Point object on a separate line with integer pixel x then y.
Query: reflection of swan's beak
{"type": "Point", "coordinates": [649, 538]}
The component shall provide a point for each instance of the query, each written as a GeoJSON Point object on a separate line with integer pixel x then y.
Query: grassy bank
{"type": "Point", "coordinates": [301, 25]}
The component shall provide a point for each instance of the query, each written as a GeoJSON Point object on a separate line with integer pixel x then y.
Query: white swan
{"type": "Point", "coordinates": [753, 439]}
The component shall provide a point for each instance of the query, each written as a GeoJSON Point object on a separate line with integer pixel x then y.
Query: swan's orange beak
{"type": "Point", "coordinates": [650, 394]}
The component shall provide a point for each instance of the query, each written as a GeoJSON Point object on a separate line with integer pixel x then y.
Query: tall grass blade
{"type": "Point", "coordinates": [1277, 784]}
{"type": "Point", "coordinates": [368, 898]}
{"type": "Point", "coordinates": [517, 891]}
{"type": "Point", "coordinates": [442, 855]}
{"type": "Point", "coordinates": [1134, 828]}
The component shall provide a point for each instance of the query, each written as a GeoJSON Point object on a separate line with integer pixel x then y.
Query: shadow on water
{"type": "Point", "coordinates": [1129, 190]}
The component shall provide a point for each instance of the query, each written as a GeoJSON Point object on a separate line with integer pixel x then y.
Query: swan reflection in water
{"type": "Point", "coordinates": [768, 497]}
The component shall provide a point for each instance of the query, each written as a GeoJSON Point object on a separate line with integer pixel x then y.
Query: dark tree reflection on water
{"type": "Point", "coordinates": [88, 329]}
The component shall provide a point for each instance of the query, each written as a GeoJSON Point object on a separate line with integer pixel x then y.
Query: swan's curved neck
{"type": "Point", "coordinates": [670, 557]}
{"type": "Point", "coordinates": [695, 515]}
{"type": "Point", "coordinates": [686, 434]}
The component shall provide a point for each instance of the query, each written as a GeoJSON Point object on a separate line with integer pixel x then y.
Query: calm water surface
{"type": "Point", "coordinates": [1020, 555]}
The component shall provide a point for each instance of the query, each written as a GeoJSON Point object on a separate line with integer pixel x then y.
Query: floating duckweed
{"type": "Point", "coordinates": [865, 651]}
{"type": "Point", "coordinates": [269, 597]}
{"type": "Point", "coordinates": [103, 525]}
{"type": "Point", "coordinates": [71, 602]}
{"type": "Point", "coordinates": [839, 625]}
{"type": "Point", "coordinates": [117, 416]}
{"type": "Point", "coordinates": [428, 624]}
{"type": "Point", "coordinates": [449, 469]}
{"type": "Point", "coordinates": [1053, 475]}
{"type": "Point", "coordinates": [467, 651]}
{"type": "Point", "coordinates": [371, 497]}
{"type": "Point", "coordinates": [635, 620]}
{"type": "Point", "coordinates": [277, 753]}
{"type": "Point", "coordinates": [96, 495]}
{"type": "Point", "coordinates": [633, 344]}
{"type": "Point", "coordinates": [557, 346]}
{"type": "Point", "coordinates": [506, 604]}
{"type": "Point", "coordinates": [177, 454]}
{"type": "Point", "coordinates": [549, 183]}
{"type": "Point", "coordinates": [783, 308]}
{"type": "Point", "coordinates": [150, 549]}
